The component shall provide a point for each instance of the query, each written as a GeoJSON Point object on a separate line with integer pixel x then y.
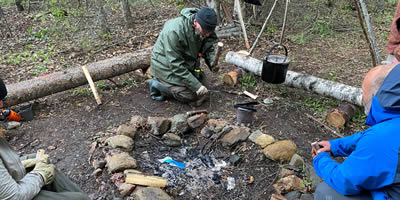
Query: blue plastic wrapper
{"type": "Point", "coordinates": [173, 162]}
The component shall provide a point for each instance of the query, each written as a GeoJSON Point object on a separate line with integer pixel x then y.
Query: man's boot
{"type": "Point", "coordinates": [157, 90]}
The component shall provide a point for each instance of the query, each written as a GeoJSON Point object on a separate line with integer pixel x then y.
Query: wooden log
{"type": "Point", "coordinates": [218, 51]}
{"type": "Point", "coordinates": [229, 34]}
{"type": "Point", "coordinates": [340, 115]}
{"type": "Point", "coordinates": [60, 81]}
{"type": "Point", "coordinates": [231, 78]}
{"type": "Point", "coordinates": [91, 83]}
{"type": "Point", "coordinates": [321, 86]}
{"type": "Point", "coordinates": [145, 180]}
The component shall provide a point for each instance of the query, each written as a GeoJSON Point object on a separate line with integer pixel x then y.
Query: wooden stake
{"type": "Point", "coordinates": [92, 86]}
{"type": "Point", "coordinates": [227, 14]}
{"type": "Point", "coordinates": [324, 125]}
{"type": "Point", "coordinates": [145, 180]}
{"type": "Point", "coordinates": [239, 10]}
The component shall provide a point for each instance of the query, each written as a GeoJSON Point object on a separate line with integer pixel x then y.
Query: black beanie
{"type": "Point", "coordinates": [3, 90]}
{"type": "Point", "coordinates": [207, 19]}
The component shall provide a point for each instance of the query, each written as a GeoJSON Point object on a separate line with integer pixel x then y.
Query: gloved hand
{"type": "Point", "coordinates": [46, 170]}
{"type": "Point", "coordinates": [28, 163]}
{"type": "Point", "coordinates": [201, 91]}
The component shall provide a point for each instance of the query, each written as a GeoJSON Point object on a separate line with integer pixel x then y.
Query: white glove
{"type": "Point", "coordinates": [201, 91]}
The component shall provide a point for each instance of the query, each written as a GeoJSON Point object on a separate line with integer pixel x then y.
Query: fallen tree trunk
{"type": "Point", "coordinates": [60, 81]}
{"type": "Point", "coordinates": [321, 86]}
{"type": "Point", "coordinates": [340, 115]}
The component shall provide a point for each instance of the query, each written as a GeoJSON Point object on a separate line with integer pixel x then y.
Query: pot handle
{"type": "Point", "coordinates": [273, 47]}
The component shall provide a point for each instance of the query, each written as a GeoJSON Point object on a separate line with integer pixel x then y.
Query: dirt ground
{"type": "Point", "coordinates": [70, 121]}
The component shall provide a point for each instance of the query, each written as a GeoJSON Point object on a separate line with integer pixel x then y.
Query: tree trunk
{"type": "Point", "coordinates": [129, 23]}
{"type": "Point", "coordinates": [231, 78]}
{"type": "Point", "coordinates": [307, 82]}
{"type": "Point", "coordinates": [18, 3]}
{"type": "Point", "coordinates": [60, 81]}
{"type": "Point", "coordinates": [342, 114]}
{"type": "Point", "coordinates": [227, 13]}
{"type": "Point", "coordinates": [102, 17]}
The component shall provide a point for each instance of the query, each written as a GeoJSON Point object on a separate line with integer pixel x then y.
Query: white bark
{"type": "Point", "coordinates": [321, 86]}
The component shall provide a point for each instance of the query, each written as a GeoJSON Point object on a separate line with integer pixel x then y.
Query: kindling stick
{"type": "Point", "coordinates": [92, 86]}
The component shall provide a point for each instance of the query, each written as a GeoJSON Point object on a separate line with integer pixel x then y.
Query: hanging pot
{"type": "Point", "coordinates": [275, 67]}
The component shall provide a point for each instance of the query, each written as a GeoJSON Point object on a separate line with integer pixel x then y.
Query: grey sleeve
{"type": "Point", "coordinates": [25, 189]}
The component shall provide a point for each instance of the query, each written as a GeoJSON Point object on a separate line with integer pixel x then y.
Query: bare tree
{"type": "Point", "coordinates": [102, 17]}
{"type": "Point", "coordinates": [18, 3]}
{"type": "Point", "coordinates": [129, 22]}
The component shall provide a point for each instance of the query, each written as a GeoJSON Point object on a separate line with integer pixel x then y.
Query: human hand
{"type": "Point", "coordinates": [202, 91]}
{"type": "Point", "coordinates": [28, 163]}
{"type": "Point", "coordinates": [325, 146]}
{"type": "Point", "coordinates": [46, 170]}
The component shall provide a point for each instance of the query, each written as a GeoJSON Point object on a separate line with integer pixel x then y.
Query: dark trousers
{"type": "Point", "coordinates": [326, 192]}
{"type": "Point", "coordinates": [61, 189]}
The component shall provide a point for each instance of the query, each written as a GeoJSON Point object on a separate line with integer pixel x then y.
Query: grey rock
{"type": "Point", "coordinates": [120, 141]}
{"type": "Point", "coordinates": [99, 164]}
{"type": "Point", "coordinates": [206, 132]}
{"type": "Point", "coordinates": [312, 176]}
{"type": "Point", "coordinates": [235, 135]}
{"type": "Point", "coordinates": [138, 121]}
{"type": "Point", "coordinates": [297, 161]}
{"type": "Point", "coordinates": [171, 139]}
{"type": "Point", "coordinates": [288, 184]}
{"type": "Point", "coordinates": [126, 189]}
{"type": "Point", "coordinates": [12, 124]}
{"type": "Point", "coordinates": [196, 120]}
{"type": "Point", "coordinates": [281, 151]}
{"type": "Point", "coordinates": [151, 193]}
{"type": "Point", "coordinates": [234, 159]}
{"type": "Point", "coordinates": [218, 134]}
{"type": "Point", "coordinates": [293, 195]}
{"type": "Point", "coordinates": [127, 130]}
{"type": "Point", "coordinates": [179, 124]}
{"type": "Point", "coordinates": [254, 135]}
{"type": "Point", "coordinates": [158, 125]}
{"type": "Point", "coordinates": [119, 162]}
{"type": "Point", "coordinates": [307, 197]}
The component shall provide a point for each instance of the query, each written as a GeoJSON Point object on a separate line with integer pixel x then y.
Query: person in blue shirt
{"type": "Point", "coordinates": [372, 167]}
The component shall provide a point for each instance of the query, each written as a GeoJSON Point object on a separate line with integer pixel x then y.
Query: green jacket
{"type": "Point", "coordinates": [176, 50]}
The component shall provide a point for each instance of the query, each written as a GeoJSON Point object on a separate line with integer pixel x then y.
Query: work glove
{"type": "Point", "coordinates": [201, 91]}
{"type": "Point", "coordinates": [28, 163]}
{"type": "Point", "coordinates": [46, 170]}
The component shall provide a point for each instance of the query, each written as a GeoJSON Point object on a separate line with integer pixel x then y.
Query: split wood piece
{"type": "Point", "coordinates": [64, 80]}
{"type": "Point", "coordinates": [40, 154]}
{"type": "Point", "coordinates": [145, 180]}
{"type": "Point", "coordinates": [195, 112]}
{"type": "Point", "coordinates": [232, 78]}
{"type": "Point", "coordinates": [307, 82]}
{"type": "Point", "coordinates": [227, 14]}
{"type": "Point", "coordinates": [218, 51]}
{"type": "Point", "coordinates": [342, 114]}
{"type": "Point", "coordinates": [239, 10]}
{"type": "Point", "coordinates": [91, 83]}
{"type": "Point", "coordinates": [227, 35]}
{"type": "Point", "coordinates": [253, 96]}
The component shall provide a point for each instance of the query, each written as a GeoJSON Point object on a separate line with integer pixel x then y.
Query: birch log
{"type": "Point", "coordinates": [321, 86]}
{"type": "Point", "coordinates": [60, 81]}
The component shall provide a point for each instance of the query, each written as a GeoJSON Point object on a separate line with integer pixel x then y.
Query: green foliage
{"type": "Point", "coordinates": [81, 91]}
{"type": "Point", "coordinates": [317, 105]}
{"type": "Point", "coordinates": [129, 81]}
{"type": "Point", "coordinates": [180, 4]}
{"type": "Point", "coordinates": [299, 38]}
{"type": "Point", "coordinates": [270, 29]}
{"type": "Point", "coordinates": [106, 36]}
{"type": "Point", "coordinates": [248, 81]}
{"type": "Point", "coordinates": [39, 69]}
{"type": "Point", "coordinates": [322, 27]}
{"type": "Point", "coordinates": [359, 119]}
{"type": "Point", "coordinates": [6, 3]}
{"type": "Point", "coordinates": [332, 76]}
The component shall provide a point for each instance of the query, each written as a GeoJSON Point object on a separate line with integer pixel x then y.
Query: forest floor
{"type": "Point", "coordinates": [70, 121]}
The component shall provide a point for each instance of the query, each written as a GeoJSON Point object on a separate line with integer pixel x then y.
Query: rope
{"type": "Point", "coordinates": [284, 22]}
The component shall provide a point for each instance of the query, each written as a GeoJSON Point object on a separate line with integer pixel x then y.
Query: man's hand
{"type": "Point", "coordinates": [201, 91]}
{"type": "Point", "coordinates": [325, 146]}
{"type": "Point", "coordinates": [46, 170]}
{"type": "Point", "coordinates": [28, 163]}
